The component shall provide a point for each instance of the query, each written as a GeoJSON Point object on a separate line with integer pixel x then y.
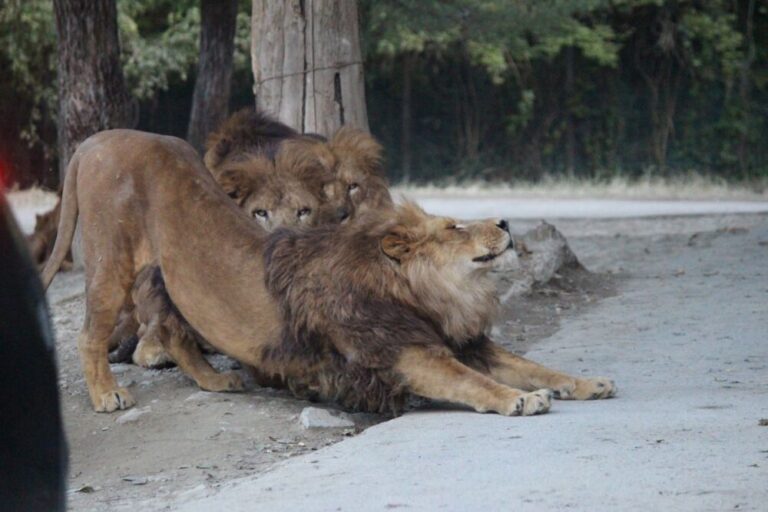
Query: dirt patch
{"type": "Point", "coordinates": [535, 315]}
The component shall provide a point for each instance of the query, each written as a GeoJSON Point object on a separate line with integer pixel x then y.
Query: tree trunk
{"type": "Point", "coordinates": [210, 102]}
{"type": "Point", "coordinates": [307, 63]}
{"type": "Point", "coordinates": [92, 92]}
{"type": "Point", "coordinates": [405, 137]}
{"type": "Point", "coordinates": [745, 89]}
{"type": "Point", "coordinates": [570, 129]}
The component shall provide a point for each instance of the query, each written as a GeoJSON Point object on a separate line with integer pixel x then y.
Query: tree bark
{"type": "Point", "coordinates": [210, 102]}
{"type": "Point", "coordinates": [92, 92]}
{"type": "Point", "coordinates": [307, 63]}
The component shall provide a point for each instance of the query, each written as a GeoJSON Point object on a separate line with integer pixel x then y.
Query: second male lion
{"type": "Point", "coordinates": [347, 168]}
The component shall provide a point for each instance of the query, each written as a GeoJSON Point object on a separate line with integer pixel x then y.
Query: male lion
{"type": "Point", "coordinates": [362, 312]}
{"type": "Point", "coordinates": [349, 176]}
{"type": "Point", "coordinates": [359, 167]}
{"type": "Point", "coordinates": [251, 133]}
{"type": "Point", "coordinates": [400, 302]}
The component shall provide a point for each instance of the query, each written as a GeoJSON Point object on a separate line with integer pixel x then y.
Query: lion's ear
{"type": "Point", "coordinates": [396, 245]}
{"type": "Point", "coordinates": [360, 147]}
{"type": "Point", "coordinates": [234, 182]}
{"type": "Point", "coordinates": [217, 148]}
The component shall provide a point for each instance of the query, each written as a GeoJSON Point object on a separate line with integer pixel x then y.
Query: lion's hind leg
{"type": "Point", "coordinates": [518, 372]}
{"type": "Point", "coordinates": [440, 376]}
{"type": "Point", "coordinates": [103, 303]}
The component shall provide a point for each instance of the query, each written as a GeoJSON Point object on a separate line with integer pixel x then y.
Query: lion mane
{"type": "Point", "coordinates": [356, 310]}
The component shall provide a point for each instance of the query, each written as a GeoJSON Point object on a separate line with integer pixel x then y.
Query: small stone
{"type": "Point", "coordinates": [136, 480]}
{"type": "Point", "coordinates": [314, 417]}
{"type": "Point", "coordinates": [763, 422]}
{"type": "Point", "coordinates": [133, 415]}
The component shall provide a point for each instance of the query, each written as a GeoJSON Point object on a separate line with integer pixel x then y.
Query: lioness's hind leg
{"type": "Point", "coordinates": [443, 377]}
{"type": "Point", "coordinates": [184, 349]}
{"type": "Point", "coordinates": [104, 300]}
{"type": "Point", "coordinates": [522, 373]}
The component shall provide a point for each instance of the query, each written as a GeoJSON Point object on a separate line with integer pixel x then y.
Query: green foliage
{"type": "Point", "coordinates": [501, 89]}
{"type": "Point", "coordinates": [656, 84]}
{"type": "Point", "coordinates": [159, 42]}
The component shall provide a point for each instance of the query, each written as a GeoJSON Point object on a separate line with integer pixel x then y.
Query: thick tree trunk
{"type": "Point", "coordinates": [307, 63]}
{"type": "Point", "coordinates": [210, 102]}
{"type": "Point", "coordinates": [92, 93]}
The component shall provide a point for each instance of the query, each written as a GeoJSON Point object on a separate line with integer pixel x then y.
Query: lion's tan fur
{"type": "Point", "coordinates": [353, 313]}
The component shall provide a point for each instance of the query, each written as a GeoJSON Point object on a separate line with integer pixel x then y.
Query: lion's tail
{"type": "Point", "coordinates": [67, 223]}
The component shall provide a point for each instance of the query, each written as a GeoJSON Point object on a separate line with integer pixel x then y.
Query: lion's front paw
{"type": "Point", "coordinates": [119, 398]}
{"type": "Point", "coordinates": [536, 402]}
{"type": "Point", "coordinates": [229, 381]}
{"type": "Point", "coordinates": [587, 389]}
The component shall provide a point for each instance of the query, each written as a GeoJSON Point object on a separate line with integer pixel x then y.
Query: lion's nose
{"type": "Point", "coordinates": [342, 214]}
{"type": "Point", "coordinates": [502, 224]}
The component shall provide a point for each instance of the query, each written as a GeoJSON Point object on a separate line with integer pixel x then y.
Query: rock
{"type": "Point", "coordinates": [314, 417]}
{"type": "Point", "coordinates": [133, 415]}
{"type": "Point", "coordinates": [543, 253]}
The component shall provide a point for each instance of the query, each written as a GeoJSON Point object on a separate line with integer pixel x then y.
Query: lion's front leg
{"type": "Point", "coordinates": [442, 377]}
{"type": "Point", "coordinates": [519, 372]}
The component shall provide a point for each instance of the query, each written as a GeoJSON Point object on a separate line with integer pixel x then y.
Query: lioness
{"type": "Point", "coordinates": [273, 193]}
{"type": "Point", "coordinates": [403, 302]}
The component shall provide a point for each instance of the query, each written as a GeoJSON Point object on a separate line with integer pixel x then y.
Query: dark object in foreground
{"type": "Point", "coordinates": [33, 452]}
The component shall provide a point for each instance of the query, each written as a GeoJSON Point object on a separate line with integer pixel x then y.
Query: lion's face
{"type": "Point", "coordinates": [419, 241]}
{"type": "Point", "coordinates": [310, 160]}
{"type": "Point", "coordinates": [359, 170]}
{"type": "Point", "coordinates": [272, 199]}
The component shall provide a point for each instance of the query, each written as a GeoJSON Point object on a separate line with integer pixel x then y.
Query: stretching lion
{"type": "Point", "coordinates": [404, 308]}
{"type": "Point", "coordinates": [271, 192]}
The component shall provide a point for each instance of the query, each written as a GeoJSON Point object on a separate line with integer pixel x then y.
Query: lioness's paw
{"type": "Point", "coordinates": [528, 404]}
{"type": "Point", "coordinates": [151, 355]}
{"type": "Point", "coordinates": [119, 398]}
{"type": "Point", "coordinates": [587, 389]}
{"type": "Point", "coordinates": [230, 381]}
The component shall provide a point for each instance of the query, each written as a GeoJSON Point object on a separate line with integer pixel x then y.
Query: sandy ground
{"type": "Point", "coordinates": [685, 338]}
{"type": "Point", "coordinates": [189, 444]}
{"type": "Point", "coordinates": [187, 438]}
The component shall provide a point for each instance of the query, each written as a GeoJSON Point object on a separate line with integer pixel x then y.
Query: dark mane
{"type": "Point", "coordinates": [348, 314]}
{"type": "Point", "coordinates": [247, 131]}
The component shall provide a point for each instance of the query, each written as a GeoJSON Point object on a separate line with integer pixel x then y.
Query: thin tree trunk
{"type": "Point", "coordinates": [745, 89]}
{"type": "Point", "coordinates": [405, 137]}
{"type": "Point", "coordinates": [92, 92]}
{"type": "Point", "coordinates": [307, 63]}
{"type": "Point", "coordinates": [570, 129]}
{"type": "Point", "coordinates": [210, 102]}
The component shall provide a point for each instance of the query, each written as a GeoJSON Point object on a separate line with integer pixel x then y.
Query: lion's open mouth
{"type": "Point", "coordinates": [488, 257]}
{"type": "Point", "coordinates": [493, 255]}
